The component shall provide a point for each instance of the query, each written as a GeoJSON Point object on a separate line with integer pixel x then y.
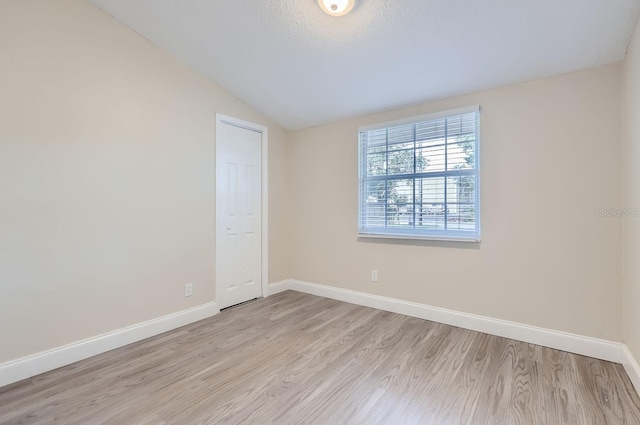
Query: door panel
{"type": "Point", "coordinates": [238, 215]}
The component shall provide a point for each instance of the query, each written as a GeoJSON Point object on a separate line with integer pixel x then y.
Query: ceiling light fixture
{"type": "Point", "coordinates": [336, 7]}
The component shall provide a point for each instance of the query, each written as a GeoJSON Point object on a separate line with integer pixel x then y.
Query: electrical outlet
{"type": "Point", "coordinates": [374, 275]}
{"type": "Point", "coordinates": [188, 289]}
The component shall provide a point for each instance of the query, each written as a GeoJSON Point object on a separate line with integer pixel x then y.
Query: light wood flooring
{"type": "Point", "coordinates": [299, 359]}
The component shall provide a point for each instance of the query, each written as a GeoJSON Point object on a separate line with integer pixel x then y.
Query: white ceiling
{"type": "Point", "coordinates": [302, 67]}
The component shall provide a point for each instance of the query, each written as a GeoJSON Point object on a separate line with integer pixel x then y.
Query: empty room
{"type": "Point", "coordinates": [319, 212]}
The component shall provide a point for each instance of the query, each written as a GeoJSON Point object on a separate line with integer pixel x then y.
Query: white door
{"type": "Point", "coordinates": [238, 214]}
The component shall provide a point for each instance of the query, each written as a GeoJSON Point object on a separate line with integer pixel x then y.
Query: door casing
{"type": "Point", "coordinates": [264, 249]}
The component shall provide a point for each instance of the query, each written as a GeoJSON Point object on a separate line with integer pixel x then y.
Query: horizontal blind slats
{"type": "Point", "coordinates": [421, 177]}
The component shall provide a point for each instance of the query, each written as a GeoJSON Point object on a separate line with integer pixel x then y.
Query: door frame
{"type": "Point", "coordinates": [264, 177]}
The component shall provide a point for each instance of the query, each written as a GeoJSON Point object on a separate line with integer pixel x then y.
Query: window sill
{"type": "Point", "coordinates": [420, 238]}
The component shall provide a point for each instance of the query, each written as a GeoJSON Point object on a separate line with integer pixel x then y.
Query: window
{"type": "Point", "coordinates": [419, 179]}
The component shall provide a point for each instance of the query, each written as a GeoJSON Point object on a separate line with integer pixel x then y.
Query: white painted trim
{"type": "Point", "coordinates": [632, 367]}
{"type": "Point", "coordinates": [264, 132]}
{"type": "Point", "coordinates": [26, 367]}
{"type": "Point", "coordinates": [420, 118]}
{"type": "Point", "coordinates": [587, 346]}
{"type": "Point", "coordinates": [277, 287]}
{"type": "Point", "coordinates": [418, 237]}
{"type": "Point", "coordinates": [265, 212]}
{"type": "Point", "coordinates": [29, 366]}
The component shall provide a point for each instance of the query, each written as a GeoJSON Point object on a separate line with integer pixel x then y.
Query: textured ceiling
{"type": "Point", "coordinates": [302, 67]}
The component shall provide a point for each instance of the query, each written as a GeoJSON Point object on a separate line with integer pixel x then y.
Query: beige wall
{"type": "Point", "coordinates": [107, 192]}
{"type": "Point", "coordinates": [631, 194]}
{"type": "Point", "coordinates": [550, 154]}
{"type": "Point", "coordinates": [106, 177]}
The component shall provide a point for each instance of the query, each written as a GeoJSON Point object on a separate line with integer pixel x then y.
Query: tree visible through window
{"type": "Point", "coordinates": [421, 179]}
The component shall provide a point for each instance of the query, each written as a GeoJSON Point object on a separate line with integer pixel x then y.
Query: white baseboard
{"type": "Point", "coordinates": [277, 287]}
{"type": "Point", "coordinates": [26, 367]}
{"type": "Point", "coordinates": [632, 367]}
{"type": "Point", "coordinates": [586, 346]}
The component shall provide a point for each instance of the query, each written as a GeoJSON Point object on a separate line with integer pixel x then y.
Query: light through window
{"type": "Point", "coordinates": [420, 179]}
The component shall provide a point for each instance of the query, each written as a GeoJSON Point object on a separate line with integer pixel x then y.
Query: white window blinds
{"type": "Point", "coordinates": [420, 179]}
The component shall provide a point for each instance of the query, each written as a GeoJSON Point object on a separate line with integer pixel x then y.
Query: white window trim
{"type": "Point", "coordinates": [419, 118]}
{"type": "Point", "coordinates": [417, 237]}
{"type": "Point", "coordinates": [408, 234]}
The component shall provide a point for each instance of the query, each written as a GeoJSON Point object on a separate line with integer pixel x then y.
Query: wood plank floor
{"type": "Point", "coordinates": [295, 358]}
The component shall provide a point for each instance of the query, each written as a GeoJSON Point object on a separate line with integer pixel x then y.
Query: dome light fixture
{"type": "Point", "coordinates": [336, 7]}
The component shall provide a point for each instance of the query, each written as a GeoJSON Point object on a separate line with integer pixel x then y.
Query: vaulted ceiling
{"type": "Point", "coordinates": [303, 68]}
